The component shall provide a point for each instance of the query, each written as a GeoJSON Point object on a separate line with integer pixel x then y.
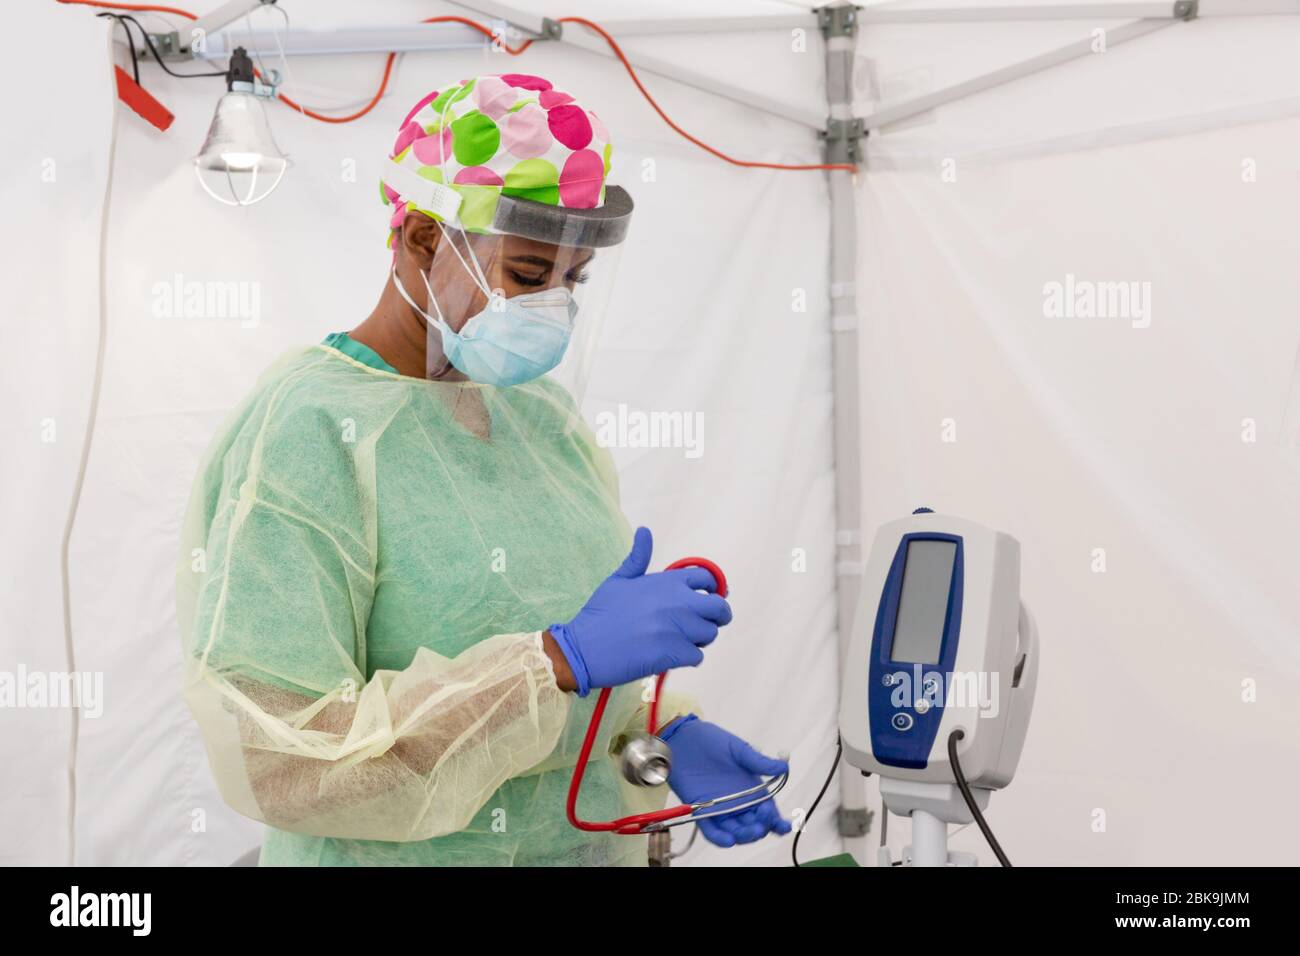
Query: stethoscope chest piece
{"type": "Point", "coordinates": [645, 760]}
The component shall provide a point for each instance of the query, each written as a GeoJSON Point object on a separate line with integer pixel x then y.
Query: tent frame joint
{"type": "Point", "coordinates": [1186, 9]}
{"type": "Point", "coordinates": [842, 140]}
{"type": "Point", "coordinates": [838, 20]}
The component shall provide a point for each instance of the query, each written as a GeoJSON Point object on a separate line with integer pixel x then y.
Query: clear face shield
{"type": "Point", "coordinates": [523, 304]}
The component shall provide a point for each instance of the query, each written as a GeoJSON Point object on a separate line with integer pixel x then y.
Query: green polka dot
{"type": "Point", "coordinates": [474, 139]}
{"type": "Point", "coordinates": [534, 179]}
{"type": "Point", "coordinates": [520, 105]}
{"type": "Point", "coordinates": [452, 95]}
{"type": "Point", "coordinates": [402, 155]}
{"type": "Point", "coordinates": [463, 91]}
{"type": "Point", "coordinates": [442, 100]}
{"type": "Point", "coordinates": [479, 206]}
{"type": "Point", "coordinates": [609, 149]}
{"type": "Point", "coordinates": [383, 193]}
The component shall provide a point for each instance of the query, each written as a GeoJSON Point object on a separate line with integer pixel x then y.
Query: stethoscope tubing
{"type": "Point", "coordinates": [670, 816]}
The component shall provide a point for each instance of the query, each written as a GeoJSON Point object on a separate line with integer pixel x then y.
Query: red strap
{"type": "Point", "coordinates": [141, 101]}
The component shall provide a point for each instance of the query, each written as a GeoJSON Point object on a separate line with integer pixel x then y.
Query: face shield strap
{"type": "Point", "coordinates": [598, 228]}
{"type": "Point", "coordinates": [437, 322]}
{"type": "Point", "coordinates": [436, 198]}
{"type": "Point", "coordinates": [476, 274]}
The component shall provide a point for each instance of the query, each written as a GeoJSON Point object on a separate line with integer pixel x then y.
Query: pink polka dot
{"type": "Point", "coordinates": [525, 82]}
{"type": "Point", "coordinates": [408, 134]}
{"type": "Point", "coordinates": [598, 131]}
{"type": "Point", "coordinates": [581, 180]}
{"type": "Point", "coordinates": [478, 176]}
{"type": "Point", "coordinates": [431, 149]}
{"type": "Point", "coordinates": [553, 98]}
{"type": "Point", "coordinates": [398, 218]}
{"type": "Point", "coordinates": [525, 132]}
{"type": "Point", "coordinates": [494, 97]}
{"type": "Point", "coordinates": [420, 105]}
{"type": "Point", "coordinates": [390, 193]}
{"type": "Point", "coordinates": [569, 125]}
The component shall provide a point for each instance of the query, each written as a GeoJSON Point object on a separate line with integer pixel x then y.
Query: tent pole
{"type": "Point", "coordinates": [950, 94]}
{"type": "Point", "coordinates": [840, 28]}
{"type": "Point", "coordinates": [578, 36]}
{"type": "Point", "coordinates": [1024, 13]}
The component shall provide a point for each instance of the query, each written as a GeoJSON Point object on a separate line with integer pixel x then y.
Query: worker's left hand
{"type": "Point", "coordinates": [709, 762]}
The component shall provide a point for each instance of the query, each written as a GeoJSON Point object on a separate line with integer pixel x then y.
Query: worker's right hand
{"type": "Point", "coordinates": [639, 624]}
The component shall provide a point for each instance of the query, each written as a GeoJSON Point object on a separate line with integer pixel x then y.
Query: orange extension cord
{"type": "Point", "coordinates": [513, 51]}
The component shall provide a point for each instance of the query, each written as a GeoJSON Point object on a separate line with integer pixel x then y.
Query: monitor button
{"type": "Point", "coordinates": [902, 722]}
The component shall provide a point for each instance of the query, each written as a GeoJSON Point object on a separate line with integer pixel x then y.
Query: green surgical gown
{"type": "Point", "coordinates": [367, 562]}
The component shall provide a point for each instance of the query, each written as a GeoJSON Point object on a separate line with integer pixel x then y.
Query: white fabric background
{"type": "Point", "coordinates": [51, 192]}
{"type": "Point", "coordinates": [702, 322]}
{"type": "Point", "coordinates": [1075, 434]}
{"type": "Point", "coordinates": [1072, 434]}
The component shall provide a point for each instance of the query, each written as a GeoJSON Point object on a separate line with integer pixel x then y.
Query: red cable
{"type": "Point", "coordinates": [379, 93]}
{"type": "Point", "coordinates": [388, 69]}
{"type": "Point", "coordinates": [618, 52]}
{"type": "Point", "coordinates": [136, 7]}
{"type": "Point", "coordinates": [513, 51]}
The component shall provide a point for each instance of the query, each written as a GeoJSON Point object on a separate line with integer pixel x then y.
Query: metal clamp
{"type": "Point", "coordinates": [838, 20]}
{"type": "Point", "coordinates": [853, 822]}
{"type": "Point", "coordinates": [841, 140]}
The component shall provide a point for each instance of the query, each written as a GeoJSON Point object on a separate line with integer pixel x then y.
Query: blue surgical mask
{"type": "Point", "coordinates": [511, 341]}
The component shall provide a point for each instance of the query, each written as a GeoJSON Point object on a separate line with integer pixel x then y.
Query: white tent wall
{"type": "Point", "coordinates": [1168, 160]}
{"type": "Point", "coordinates": [1166, 728]}
{"type": "Point", "coordinates": [708, 319]}
{"type": "Point", "coordinates": [51, 195]}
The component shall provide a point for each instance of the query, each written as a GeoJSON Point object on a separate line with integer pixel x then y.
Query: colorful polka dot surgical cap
{"type": "Point", "coordinates": [510, 134]}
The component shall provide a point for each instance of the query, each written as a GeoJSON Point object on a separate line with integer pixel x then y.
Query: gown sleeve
{"type": "Point", "coordinates": [275, 595]}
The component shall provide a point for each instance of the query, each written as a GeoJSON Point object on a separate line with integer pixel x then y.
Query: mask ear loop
{"type": "Point", "coordinates": [439, 321]}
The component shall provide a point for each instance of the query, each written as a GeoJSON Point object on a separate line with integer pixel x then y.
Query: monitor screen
{"type": "Point", "coordinates": [923, 604]}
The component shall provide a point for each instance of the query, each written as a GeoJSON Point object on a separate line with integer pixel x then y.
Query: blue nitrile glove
{"type": "Point", "coordinates": [709, 762]}
{"type": "Point", "coordinates": [638, 624]}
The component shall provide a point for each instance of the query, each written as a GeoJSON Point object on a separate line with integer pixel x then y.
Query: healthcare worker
{"type": "Point", "coordinates": [404, 569]}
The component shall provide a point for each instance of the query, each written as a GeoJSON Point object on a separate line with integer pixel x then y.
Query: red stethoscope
{"type": "Point", "coordinates": [647, 760]}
